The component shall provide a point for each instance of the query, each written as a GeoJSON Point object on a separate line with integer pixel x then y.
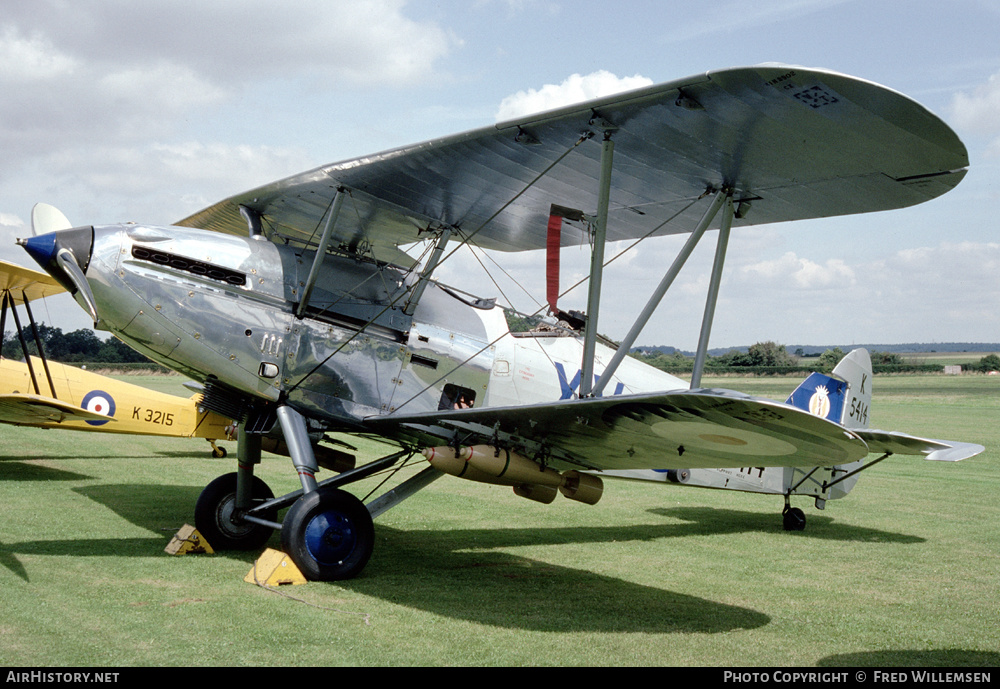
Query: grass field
{"type": "Point", "coordinates": [905, 571]}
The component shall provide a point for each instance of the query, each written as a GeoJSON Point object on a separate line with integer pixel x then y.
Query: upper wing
{"type": "Point", "coordinates": [23, 282]}
{"type": "Point", "coordinates": [794, 143]}
{"type": "Point", "coordinates": [32, 410]}
{"type": "Point", "coordinates": [682, 429]}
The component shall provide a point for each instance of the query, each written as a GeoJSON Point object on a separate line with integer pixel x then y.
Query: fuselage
{"type": "Point", "coordinates": [225, 309]}
{"type": "Point", "coordinates": [130, 409]}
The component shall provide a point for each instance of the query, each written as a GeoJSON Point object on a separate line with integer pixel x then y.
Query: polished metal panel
{"type": "Point", "coordinates": [223, 307]}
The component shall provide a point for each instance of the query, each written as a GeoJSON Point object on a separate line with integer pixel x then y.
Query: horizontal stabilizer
{"type": "Point", "coordinates": [903, 444]}
{"type": "Point", "coordinates": [33, 409]}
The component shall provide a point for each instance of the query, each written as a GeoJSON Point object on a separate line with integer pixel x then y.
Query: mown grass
{"type": "Point", "coordinates": [905, 571]}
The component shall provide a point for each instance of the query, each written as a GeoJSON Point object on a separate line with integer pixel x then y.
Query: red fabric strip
{"type": "Point", "coordinates": [552, 262]}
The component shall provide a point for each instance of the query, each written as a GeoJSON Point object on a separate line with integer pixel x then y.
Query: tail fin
{"type": "Point", "coordinates": [843, 397]}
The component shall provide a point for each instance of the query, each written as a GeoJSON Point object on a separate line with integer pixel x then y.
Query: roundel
{"type": "Point", "coordinates": [98, 402]}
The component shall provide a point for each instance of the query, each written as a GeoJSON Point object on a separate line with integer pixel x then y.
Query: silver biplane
{"type": "Point", "coordinates": [295, 308]}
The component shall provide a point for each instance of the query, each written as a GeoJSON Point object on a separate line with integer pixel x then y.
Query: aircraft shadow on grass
{"type": "Point", "coordinates": [704, 521]}
{"type": "Point", "coordinates": [26, 471]}
{"type": "Point", "coordinates": [15, 468]}
{"type": "Point", "coordinates": [523, 593]}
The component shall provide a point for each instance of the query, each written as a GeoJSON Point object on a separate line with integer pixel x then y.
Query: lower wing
{"type": "Point", "coordinates": [680, 429]}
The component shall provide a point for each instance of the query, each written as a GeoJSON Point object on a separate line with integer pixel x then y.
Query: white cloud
{"type": "Point", "coordinates": [10, 220]}
{"type": "Point", "coordinates": [159, 182]}
{"type": "Point", "coordinates": [978, 112]}
{"type": "Point", "coordinates": [794, 272]}
{"type": "Point", "coordinates": [115, 73]}
{"type": "Point", "coordinates": [26, 59]}
{"type": "Point", "coordinates": [574, 89]}
{"type": "Point", "coordinates": [364, 41]}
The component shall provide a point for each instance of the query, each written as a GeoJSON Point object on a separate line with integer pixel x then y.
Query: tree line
{"type": "Point", "coordinates": [78, 346]}
{"type": "Point", "coordinates": [83, 346]}
{"type": "Point", "coordinates": [773, 358]}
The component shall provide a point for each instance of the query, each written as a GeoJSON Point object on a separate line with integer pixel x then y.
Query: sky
{"type": "Point", "coordinates": [117, 111]}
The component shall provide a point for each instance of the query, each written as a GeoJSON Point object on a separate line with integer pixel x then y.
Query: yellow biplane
{"type": "Point", "coordinates": [46, 394]}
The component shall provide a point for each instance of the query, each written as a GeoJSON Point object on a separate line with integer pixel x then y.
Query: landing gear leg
{"type": "Point", "coordinates": [293, 427]}
{"type": "Point", "coordinates": [327, 532]}
{"type": "Point", "coordinates": [218, 515]}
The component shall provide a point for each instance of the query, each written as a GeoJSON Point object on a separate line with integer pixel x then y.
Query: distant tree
{"type": "Point", "coordinates": [50, 337]}
{"type": "Point", "coordinates": [759, 354]}
{"type": "Point", "coordinates": [990, 362]}
{"type": "Point", "coordinates": [733, 357]}
{"type": "Point", "coordinates": [672, 362]}
{"type": "Point", "coordinates": [830, 358]}
{"type": "Point", "coordinates": [769, 354]}
{"type": "Point", "coordinates": [114, 351]}
{"type": "Point", "coordinates": [79, 346]}
{"type": "Point", "coordinates": [886, 359]}
{"type": "Point", "coordinates": [520, 324]}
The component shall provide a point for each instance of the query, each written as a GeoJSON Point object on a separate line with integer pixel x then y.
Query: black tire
{"type": "Point", "coordinates": [218, 521]}
{"type": "Point", "coordinates": [329, 535]}
{"type": "Point", "coordinates": [794, 519]}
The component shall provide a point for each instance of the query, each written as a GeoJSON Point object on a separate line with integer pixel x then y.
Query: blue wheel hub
{"type": "Point", "coordinates": [330, 537]}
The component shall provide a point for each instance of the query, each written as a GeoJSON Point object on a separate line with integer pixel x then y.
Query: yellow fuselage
{"type": "Point", "coordinates": [135, 409]}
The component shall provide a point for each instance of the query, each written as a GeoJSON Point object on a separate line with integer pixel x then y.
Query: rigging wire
{"type": "Point", "coordinates": [541, 308]}
{"type": "Point", "coordinates": [467, 240]}
{"type": "Point", "coordinates": [586, 136]}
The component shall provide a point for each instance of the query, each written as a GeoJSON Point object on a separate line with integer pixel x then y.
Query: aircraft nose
{"type": "Point", "coordinates": [65, 255]}
{"type": "Point", "coordinates": [45, 249]}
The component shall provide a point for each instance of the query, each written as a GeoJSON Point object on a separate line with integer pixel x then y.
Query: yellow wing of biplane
{"type": "Point", "coordinates": [36, 392]}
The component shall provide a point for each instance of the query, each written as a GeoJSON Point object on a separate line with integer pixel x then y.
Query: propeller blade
{"type": "Point", "coordinates": [67, 261]}
{"type": "Point", "coordinates": [46, 218]}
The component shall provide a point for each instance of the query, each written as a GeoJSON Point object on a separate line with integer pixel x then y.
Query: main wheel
{"type": "Point", "coordinates": [794, 519]}
{"type": "Point", "coordinates": [218, 520]}
{"type": "Point", "coordinates": [329, 535]}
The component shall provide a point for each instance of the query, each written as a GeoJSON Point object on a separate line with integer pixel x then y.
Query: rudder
{"type": "Point", "coordinates": [844, 396]}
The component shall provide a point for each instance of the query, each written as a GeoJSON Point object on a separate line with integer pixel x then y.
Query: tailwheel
{"type": "Point", "coordinates": [793, 519]}
{"type": "Point", "coordinates": [329, 535]}
{"type": "Point", "coordinates": [221, 522]}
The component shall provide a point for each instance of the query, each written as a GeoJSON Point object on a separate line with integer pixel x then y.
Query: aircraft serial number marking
{"type": "Point", "coordinates": [859, 410]}
{"type": "Point", "coordinates": [152, 416]}
{"type": "Point", "coordinates": [784, 77]}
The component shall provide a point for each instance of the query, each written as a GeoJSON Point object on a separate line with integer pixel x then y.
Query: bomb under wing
{"type": "Point", "coordinates": [497, 466]}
